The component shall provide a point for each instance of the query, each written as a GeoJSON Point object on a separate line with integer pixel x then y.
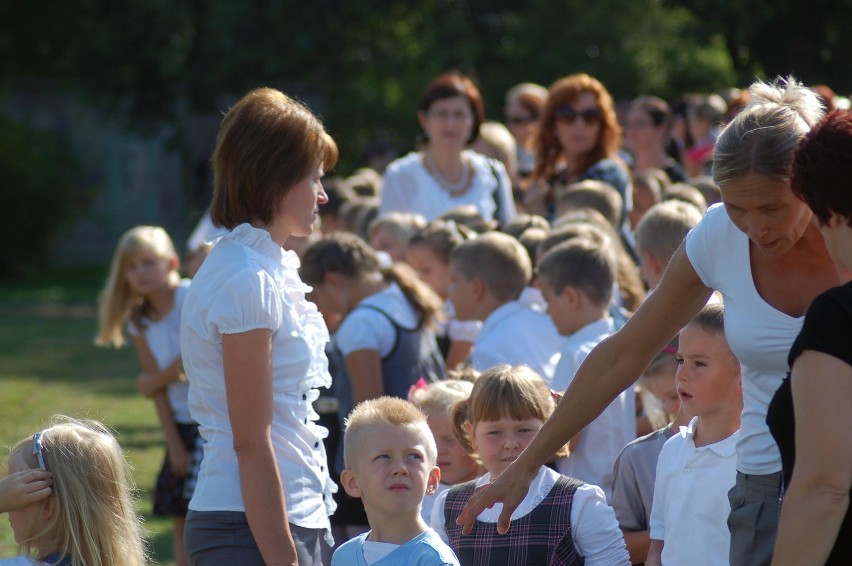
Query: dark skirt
{"type": "Point", "coordinates": [172, 494]}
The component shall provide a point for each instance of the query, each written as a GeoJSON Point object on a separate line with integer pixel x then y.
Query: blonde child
{"type": "Point", "coordinates": [143, 296]}
{"type": "Point", "coordinates": [390, 460]}
{"type": "Point", "coordinates": [697, 467]}
{"type": "Point", "coordinates": [457, 466]}
{"type": "Point", "coordinates": [428, 253]}
{"type": "Point", "coordinates": [88, 518]}
{"type": "Point", "coordinates": [561, 521]}
{"type": "Point", "coordinates": [391, 233]}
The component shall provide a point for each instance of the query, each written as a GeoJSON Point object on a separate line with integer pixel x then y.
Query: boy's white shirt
{"type": "Point", "coordinates": [601, 441]}
{"type": "Point", "coordinates": [594, 527]}
{"type": "Point", "coordinates": [691, 507]}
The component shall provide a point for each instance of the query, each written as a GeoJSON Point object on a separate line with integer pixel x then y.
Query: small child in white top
{"type": "Point", "coordinates": [698, 466]}
{"type": "Point", "coordinates": [576, 279]}
{"type": "Point", "coordinates": [390, 457]}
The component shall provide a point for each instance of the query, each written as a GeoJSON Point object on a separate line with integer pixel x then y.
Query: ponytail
{"type": "Point", "coordinates": [459, 415]}
{"type": "Point", "coordinates": [425, 302]}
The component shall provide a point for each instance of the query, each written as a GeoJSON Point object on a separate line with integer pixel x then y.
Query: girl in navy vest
{"type": "Point", "coordinates": [561, 521]}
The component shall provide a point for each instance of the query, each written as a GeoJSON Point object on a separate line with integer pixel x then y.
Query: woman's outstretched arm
{"type": "Point", "coordinates": [608, 370]}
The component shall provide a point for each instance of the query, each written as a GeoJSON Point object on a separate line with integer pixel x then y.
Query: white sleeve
{"type": "Point", "coordinates": [658, 507]}
{"type": "Point", "coordinates": [463, 330]}
{"type": "Point", "coordinates": [398, 190]}
{"type": "Point", "coordinates": [365, 329]}
{"type": "Point", "coordinates": [436, 520]}
{"type": "Point", "coordinates": [703, 240]}
{"type": "Point", "coordinates": [597, 537]}
{"type": "Point", "coordinates": [249, 300]}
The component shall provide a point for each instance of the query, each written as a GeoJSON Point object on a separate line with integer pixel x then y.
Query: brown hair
{"type": "Point", "coordinates": [566, 91]}
{"type": "Point", "coordinates": [503, 391]}
{"type": "Point", "coordinates": [582, 264]}
{"type": "Point", "coordinates": [451, 85]}
{"type": "Point", "coordinates": [499, 260]}
{"type": "Point", "coordinates": [267, 143]}
{"type": "Point", "coordinates": [348, 255]}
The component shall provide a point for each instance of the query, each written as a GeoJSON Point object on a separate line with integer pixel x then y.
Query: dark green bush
{"type": "Point", "coordinates": [40, 193]}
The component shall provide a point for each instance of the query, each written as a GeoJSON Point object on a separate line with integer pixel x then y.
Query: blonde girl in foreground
{"type": "Point", "coordinates": [88, 519]}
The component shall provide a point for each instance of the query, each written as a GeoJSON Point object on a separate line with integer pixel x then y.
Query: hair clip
{"type": "Point", "coordinates": [419, 385]}
{"type": "Point", "coordinates": [670, 350]}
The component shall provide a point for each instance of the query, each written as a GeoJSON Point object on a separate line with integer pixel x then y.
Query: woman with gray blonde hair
{"type": "Point", "coordinates": [760, 248]}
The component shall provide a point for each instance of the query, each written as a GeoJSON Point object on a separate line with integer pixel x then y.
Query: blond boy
{"type": "Point", "coordinates": [389, 453]}
{"type": "Point", "coordinates": [697, 467]}
{"type": "Point", "coordinates": [660, 233]}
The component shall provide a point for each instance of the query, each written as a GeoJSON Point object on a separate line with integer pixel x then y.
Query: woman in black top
{"type": "Point", "coordinates": [816, 445]}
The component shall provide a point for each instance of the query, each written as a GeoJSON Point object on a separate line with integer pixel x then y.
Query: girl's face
{"type": "Point", "coordinates": [385, 240]}
{"type": "Point", "coordinates": [456, 465]}
{"type": "Point", "coordinates": [448, 122]}
{"type": "Point", "coordinates": [500, 442]}
{"type": "Point", "coordinates": [663, 386]}
{"type": "Point", "coordinates": [767, 211]}
{"type": "Point", "coordinates": [147, 272]}
{"type": "Point", "coordinates": [430, 268]}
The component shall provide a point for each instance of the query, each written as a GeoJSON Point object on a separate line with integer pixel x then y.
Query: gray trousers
{"type": "Point", "coordinates": [215, 538]}
{"type": "Point", "coordinates": [753, 522]}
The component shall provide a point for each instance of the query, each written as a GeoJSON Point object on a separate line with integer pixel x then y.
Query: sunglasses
{"type": "Point", "coordinates": [38, 450]}
{"type": "Point", "coordinates": [568, 115]}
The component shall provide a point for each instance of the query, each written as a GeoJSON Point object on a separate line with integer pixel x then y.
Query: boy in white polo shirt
{"type": "Point", "coordinates": [576, 279]}
{"type": "Point", "coordinates": [697, 467]}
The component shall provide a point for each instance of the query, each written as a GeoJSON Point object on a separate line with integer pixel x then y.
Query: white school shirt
{"type": "Point", "coordinates": [759, 335]}
{"type": "Point", "coordinates": [690, 509]}
{"type": "Point", "coordinates": [517, 335]}
{"type": "Point", "coordinates": [163, 339]}
{"type": "Point", "coordinates": [367, 329]}
{"type": "Point", "coordinates": [409, 187]}
{"type": "Point", "coordinates": [594, 527]}
{"type": "Point", "coordinates": [602, 440]}
{"type": "Point", "coordinates": [249, 282]}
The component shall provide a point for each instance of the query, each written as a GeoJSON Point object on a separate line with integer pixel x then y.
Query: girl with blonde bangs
{"type": "Point", "coordinates": [118, 302]}
{"type": "Point", "coordinates": [578, 139]}
{"type": "Point", "coordinates": [89, 517]}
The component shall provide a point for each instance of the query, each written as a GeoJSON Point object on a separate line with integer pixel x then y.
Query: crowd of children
{"type": "Point", "coordinates": [451, 342]}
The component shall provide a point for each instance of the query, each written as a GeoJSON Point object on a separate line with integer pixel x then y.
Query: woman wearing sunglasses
{"type": "Point", "coordinates": [445, 174]}
{"type": "Point", "coordinates": [578, 139]}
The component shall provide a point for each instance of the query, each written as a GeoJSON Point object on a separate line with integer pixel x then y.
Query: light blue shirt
{"type": "Point", "coordinates": [426, 549]}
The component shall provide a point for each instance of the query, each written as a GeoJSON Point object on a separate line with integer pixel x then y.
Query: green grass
{"type": "Point", "coordinates": [48, 366]}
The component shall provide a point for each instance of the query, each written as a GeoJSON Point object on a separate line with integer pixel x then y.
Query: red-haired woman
{"type": "Point", "coordinates": [445, 174]}
{"type": "Point", "coordinates": [578, 139]}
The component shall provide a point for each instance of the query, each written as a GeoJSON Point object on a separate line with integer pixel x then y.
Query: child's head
{"type": "Point", "coordinates": [429, 252]}
{"type": "Point", "coordinates": [576, 280]}
{"type": "Point", "coordinates": [391, 233]}
{"type": "Point", "coordinates": [339, 264]}
{"type": "Point", "coordinates": [487, 272]}
{"type": "Point", "coordinates": [596, 195]}
{"type": "Point", "coordinates": [659, 387]}
{"type": "Point", "coordinates": [436, 400]}
{"type": "Point", "coordinates": [90, 514]}
{"type": "Point", "coordinates": [708, 374]}
{"type": "Point", "coordinates": [390, 456]}
{"type": "Point", "coordinates": [507, 407]}
{"type": "Point", "coordinates": [144, 262]}
{"type": "Point", "coordinates": [660, 233]}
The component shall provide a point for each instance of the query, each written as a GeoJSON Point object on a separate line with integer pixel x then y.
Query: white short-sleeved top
{"type": "Point", "coordinates": [758, 334]}
{"type": "Point", "coordinates": [594, 527]}
{"type": "Point", "coordinates": [690, 509]}
{"type": "Point", "coordinates": [163, 338]}
{"type": "Point", "coordinates": [601, 441]}
{"type": "Point", "coordinates": [367, 329]}
{"type": "Point", "coordinates": [409, 187]}
{"type": "Point", "coordinates": [518, 335]}
{"type": "Point", "coordinates": [247, 283]}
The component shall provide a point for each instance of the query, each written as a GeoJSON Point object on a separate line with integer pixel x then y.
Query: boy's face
{"type": "Point", "coordinates": [456, 465]}
{"type": "Point", "coordinates": [708, 374]}
{"type": "Point", "coordinates": [462, 294]}
{"type": "Point", "coordinates": [392, 471]}
{"type": "Point", "coordinates": [560, 308]}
